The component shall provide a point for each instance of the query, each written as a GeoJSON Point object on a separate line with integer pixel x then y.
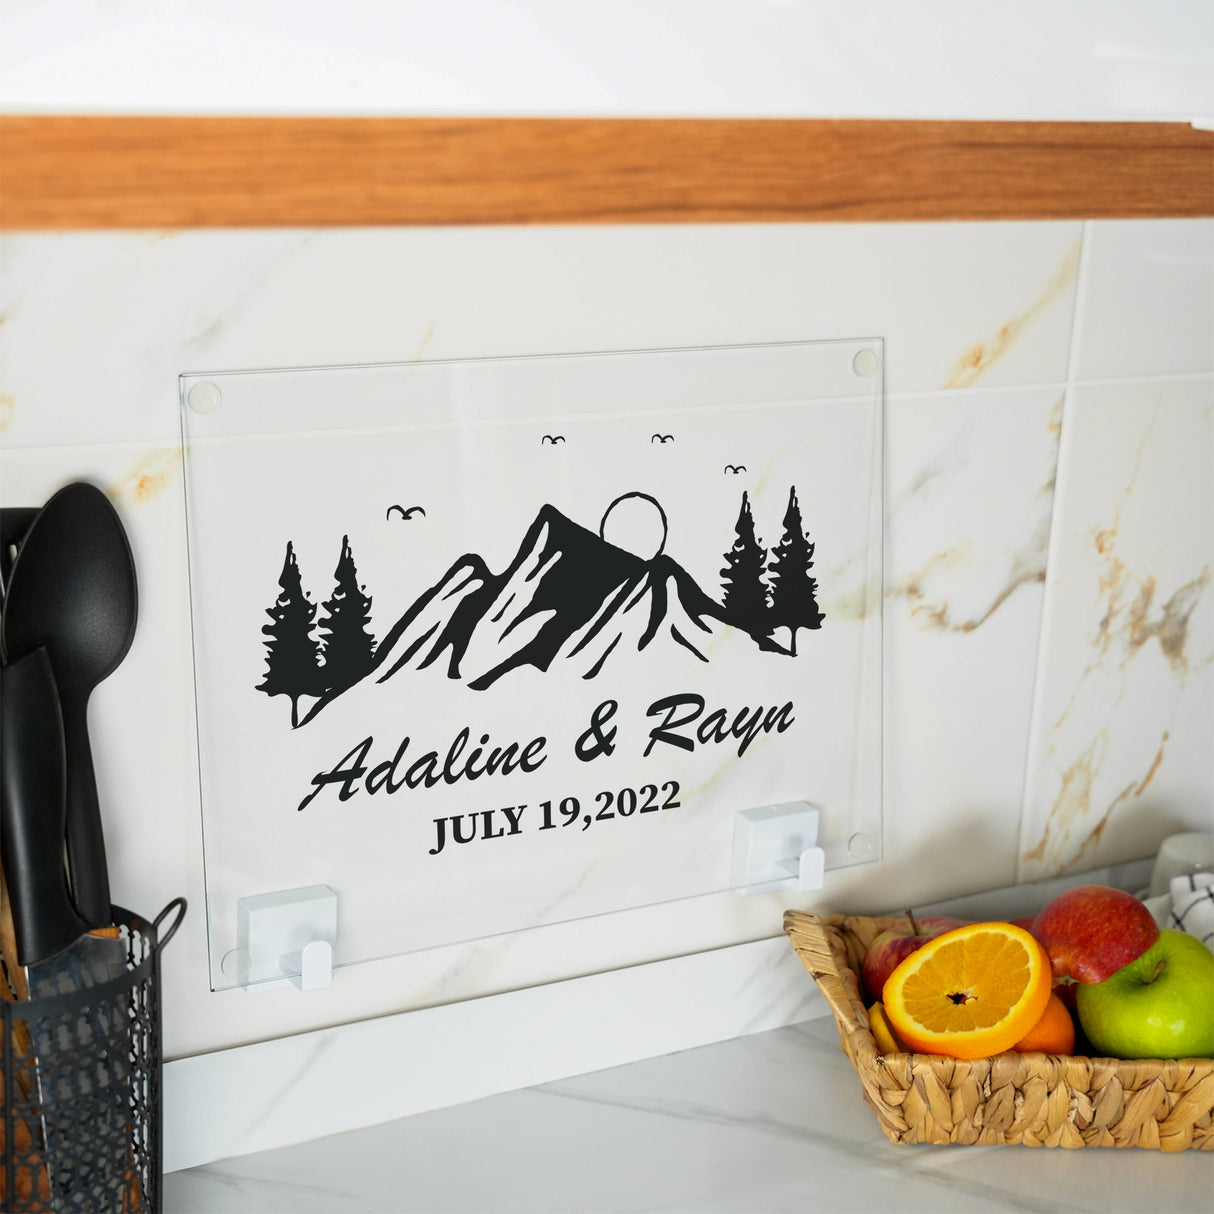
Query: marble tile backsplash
{"type": "Point", "coordinates": [1049, 616]}
{"type": "Point", "coordinates": [1124, 712]}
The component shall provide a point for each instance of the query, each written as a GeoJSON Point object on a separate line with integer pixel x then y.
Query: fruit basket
{"type": "Point", "coordinates": [1014, 1099]}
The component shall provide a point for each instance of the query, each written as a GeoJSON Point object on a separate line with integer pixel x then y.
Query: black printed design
{"type": "Point", "coordinates": [346, 643]}
{"type": "Point", "coordinates": [298, 663]}
{"type": "Point", "coordinates": [292, 654]}
{"type": "Point", "coordinates": [569, 598]}
{"type": "Point", "coordinates": [794, 601]}
{"type": "Point", "coordinates": [745, 597]}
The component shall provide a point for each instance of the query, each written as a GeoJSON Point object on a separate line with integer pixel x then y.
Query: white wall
{"type": "Point", "coordinates": [1049, 678]}
{"type": "Point", "coordinates": [1047, 59]}
{"type": "Point", "coordinates": [1048, 458]}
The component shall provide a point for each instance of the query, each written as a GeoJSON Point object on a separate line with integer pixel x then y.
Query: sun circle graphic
{"type": "Point", "coordinates": [636, 523]}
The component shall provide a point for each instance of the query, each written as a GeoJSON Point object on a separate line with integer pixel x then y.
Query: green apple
{"type": "Point", "coordinates": [1161, 1005]}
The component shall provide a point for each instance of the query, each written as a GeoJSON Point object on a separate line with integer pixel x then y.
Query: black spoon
{"type": "Point", "coordinates": [72, 590]}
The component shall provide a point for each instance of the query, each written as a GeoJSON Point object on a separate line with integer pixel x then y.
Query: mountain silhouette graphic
{"type": "Point", "coordinates": [568, 596]}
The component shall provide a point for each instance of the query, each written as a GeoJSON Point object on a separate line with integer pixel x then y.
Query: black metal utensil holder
{"type": "Point", "coordinates": [81, 1126]}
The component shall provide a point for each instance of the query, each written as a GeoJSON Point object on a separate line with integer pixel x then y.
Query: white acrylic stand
{"type": "Point", "coordinates": [775, 847]}
{"type": "Point", "coordinates": [287, 939]}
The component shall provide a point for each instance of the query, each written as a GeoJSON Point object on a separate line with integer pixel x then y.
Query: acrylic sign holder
{"type": "Point", "coordinates": [490, 644]}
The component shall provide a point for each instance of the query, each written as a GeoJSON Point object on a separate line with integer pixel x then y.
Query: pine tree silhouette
{"type": "Point", "coordinates": [745, 598]}
{"type": "Point", "coordinates": [347, 645]}
{"type": "Point", "coordinates": [292, 653]}
{"type": "Point", "coordinates": [794, 602]}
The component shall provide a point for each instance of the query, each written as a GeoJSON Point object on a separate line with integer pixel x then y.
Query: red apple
{"type": "Point", "coordinates": [1092, 931]}
{"type": "Point", "coordinates": [892, 945]}
{"type": "Point", "coordinates": [1068, 992]}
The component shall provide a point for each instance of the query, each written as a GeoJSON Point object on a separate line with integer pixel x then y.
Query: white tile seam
{"type": "Point", "coordinates": [157, 441]}
{"type": "Point", "coordinates": [1032, 747]}
{"type": "Point", "coordinates": [165, 441]}
{"type": "Point", "coordinates": [1113, 381]}
{"type": "Point", "coordinates": [154, 442]}
{"type": "Point", "coordinates": [1070, 380]}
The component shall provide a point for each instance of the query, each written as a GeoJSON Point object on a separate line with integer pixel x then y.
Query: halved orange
{"type": "Point", "coordinates": [971, 992]}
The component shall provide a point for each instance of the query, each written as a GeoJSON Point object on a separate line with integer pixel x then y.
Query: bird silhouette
{"type": "Point", "coordinates": [406, 514]}
{"type": "Point", "coordinates": [735, 468]}
{"type": "Point", "coordinates": [661, 438]}
{"type": "Point", "coordinates": [552, 438]}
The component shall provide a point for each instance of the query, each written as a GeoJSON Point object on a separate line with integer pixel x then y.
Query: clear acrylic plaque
{"type": "Point", "coordinates": [489, 644]}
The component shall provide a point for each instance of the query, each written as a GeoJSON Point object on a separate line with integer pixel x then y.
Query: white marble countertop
{"type": "Point", "coordinates": [769, 1122]}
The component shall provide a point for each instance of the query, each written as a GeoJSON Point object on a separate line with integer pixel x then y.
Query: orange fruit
{"type": "Point", "coordinates": [971, 992]}
{"type": "Point", "coordinates": [883, 1035]}
{"type": "Point", "coordinates": [1054, 1033]}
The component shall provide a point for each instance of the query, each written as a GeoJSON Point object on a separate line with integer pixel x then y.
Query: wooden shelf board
{"type": "Point", "coordinates": [95, 172]}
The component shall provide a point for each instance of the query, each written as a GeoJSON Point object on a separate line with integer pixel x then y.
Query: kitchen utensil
{"type": "Point", "coordinates": [12, 982]}
{"type": "Point", "coordinates": [47, 929]}
{"type": "Point", "coordinates": [14, 523]}
{"type": "Point", "coordinates": [31, 843]}
{"type": "Point", "coordinates": [31, 1184]}
{"type": "Point", "coordinates": [72, 590]}
{"type": "Point", "coordinates": [55, 951]}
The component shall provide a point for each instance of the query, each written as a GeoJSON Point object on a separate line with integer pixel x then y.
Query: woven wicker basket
{"type": "Point", "coordinates": [1027, 1099]}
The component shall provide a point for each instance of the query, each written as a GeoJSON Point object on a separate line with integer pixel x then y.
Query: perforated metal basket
{"type": "Point", "coordinates": [81, 1126]}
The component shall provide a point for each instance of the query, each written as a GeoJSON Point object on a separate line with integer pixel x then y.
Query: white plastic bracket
{"type": "Point", "coordinates": [775, 847]}
{"type": "Point", "coordinates": [287, 939]}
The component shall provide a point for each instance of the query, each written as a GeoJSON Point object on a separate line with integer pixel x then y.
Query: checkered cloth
{"type": "Point", "coordinates": [1192, 910]}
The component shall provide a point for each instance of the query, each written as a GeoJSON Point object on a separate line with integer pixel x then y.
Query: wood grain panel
{"type": "Point", "coordinates": [71, 172]}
